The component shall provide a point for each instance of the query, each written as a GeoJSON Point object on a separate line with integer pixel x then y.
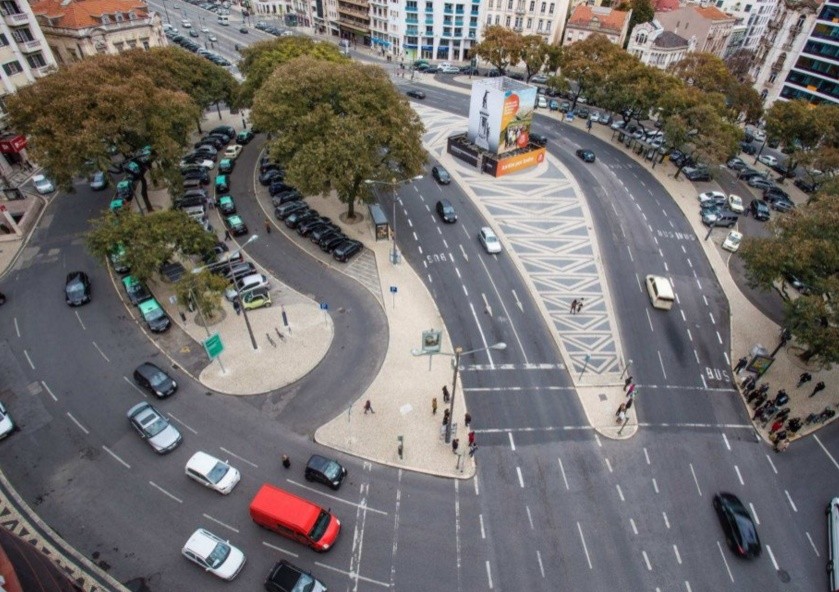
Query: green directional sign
{"type": "Point", "coordinates": [213, 346]}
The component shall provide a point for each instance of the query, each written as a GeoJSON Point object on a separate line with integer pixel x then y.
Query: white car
{"type": "Point", "coordinates": [594, 117]}
{"type": "Point", "coordinates": [732, 241]}
{"type": "Point", "coordinates": [206, 163]}
{"type": "Point", "coordinates": [42, 184]}
{"type": "Point", "coordinates": [205, 30]}
{"type": "Point", "coordinates": [212, 472]}
{"type": "Point", "coordinates": [246, 284]}
{"type": "Point", "coordinates": [212, 38]}
{"type": "Point", "coordinates": [542, 102]}
{"type": "Point", "coordinates": [768, 160]}
{"type": "Point", "coordinates": [449, 70]}
{"type": "Point", "coordinates": [717, 197]}
{"type": "Point", "coordinates": [215, 555]}
{"type": "Point", "coordinates": [619, 125]}
{"type": "Point", "coordinates": [489, 240]}
{"type": "Point", "coordinates": [232, 152]}
{"type": "Point", "coordinates": [735, 204]}
{"type": "Point", "coordinates": [186, 24]}
{"type": "Point", "coordinates": [7, 426]}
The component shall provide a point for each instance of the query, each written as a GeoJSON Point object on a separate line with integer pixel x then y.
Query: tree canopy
{"type": "Point", "coordinates": [810, 133]}
{"type": "Point", "coordinates": [536, 54]}
{"type": "Point", "coordinates": [261, 59]}
{"type": "Point", "coordinates": [337, 125]}
{"type": "Point", "coordinates": [501, 47]}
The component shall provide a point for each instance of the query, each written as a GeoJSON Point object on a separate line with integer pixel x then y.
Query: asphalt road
{"type": "Point", "coordinates": [548, 506]}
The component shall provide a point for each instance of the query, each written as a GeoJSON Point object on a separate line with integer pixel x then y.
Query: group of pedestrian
{"type": "Point", "coordinates": [576, 305]}
{"type": "Point", "coordinates": [623, 409]}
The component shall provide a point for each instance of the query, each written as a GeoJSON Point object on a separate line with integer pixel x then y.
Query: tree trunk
{"type": "Point", "coordinates": [351, 209]}
{"type": "Point", "coordinates": [198, 124]}
{"type": "Point", "coordinates": [144, 192]}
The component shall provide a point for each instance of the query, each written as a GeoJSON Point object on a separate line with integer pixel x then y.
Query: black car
{"type": "Point", "coordinates": [738, 526]}
{"type": "Point", "coordinates": [297, 218]}
{"type": "Point", "coordinates": [206, 150]}
{"type": "Point", "coordinates": [736, 163]}
{"type": "Point", "coordinates": [244, 137]}
{"type": "Point", "coordinates": [325, 470]}
{"type": "Point", "coordinates": [807, 186]}
{"type": "Point", "coordinates": [330, 240]}
{"type": "Point", "coordinates": [445, 210]}
{"type": "Point", "coordinates": [586, 155]}
{"type": "Point", "coordinates": [748, 172]}
{"type": "Point", "coordinates": [441, 175]}
{"type": "Point", "coordinates": [227, 130]}
{"type": "Point", "coordinates": [319, 232]}
{"type": "Point", "coordinates": [748, 148]}
{"type": "Point", "coordinates": [775, 192]}
{"type": "Point", "coordinates": [199, 173]}
{"type": "Point", "coordinates": [234, 271]}
{"type": "Point", "coordinates": [285, 577]}
{"type": "Point", "coordinates": [155, 380]}
{"type": "Point", "coordinates": [347, 250]}
{"type": "Point", "coordinates": [77, 288]}
{"type": "Point", "coordinates": [760, 182]}
{"type": "Point", "coordinates": [278, 187]}
{"type": "Point", "coordinates": [416, 94]}
{"type": "Point", "coordinates": [287, 209]}
{"type": "Point", "coordinates": [538, 139]}
{"type": "Point", "coordinates": [266, 163]}
{"type": "Point", "coordinates": [696, 174]}
{"type": "Point", "coordinates": [214, 141]}
{"type": "Point", "coordinates": [285, 197]}
{"type": "Point", "coordinates": [305, 228]}
{"type": "Point", "coordinates": [780, 203]}
{"type": "Point", "coordinates": [243, 30]}
{"type": "Point", "coordinates": [759, 210]}
{"type": "Point", "coordinates": [582, 113]}
{"type": "Point", "coordinates": [226, 205]}
{"type": "Point", "coordinates": [270, 176]}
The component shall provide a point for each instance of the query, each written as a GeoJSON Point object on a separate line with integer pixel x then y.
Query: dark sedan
{"type": "Point", "coordinates": [415, 94]}
{"type": "Point", "coordinates": [760, 183]}
{"type": "Point", "coordinates": [759, 210]}
{"type": "Point", "coordinates": [738, 526]}
{"type": "Point", "coordinates": [331, 240]}
{"type": "Point", "coordinates": [155, 380]}
{"type": "Point", "coordinates": [271, 175]}
{"type": "Point", "coordinates": [586, 155]}
{"type": "Point", "coordinates": [77, 288]}
{"type": "Point", "coordinates": [325, 470]}
{"type": "Point", "coordinates": [441, 175]}
{"type": "Point", "coordinates": [347, 250]}
{"type": "Point", "coordinates": [780, 203]}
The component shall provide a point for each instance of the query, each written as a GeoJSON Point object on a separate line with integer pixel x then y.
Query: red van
{"type": "Point", "coordinates": [295, 517]}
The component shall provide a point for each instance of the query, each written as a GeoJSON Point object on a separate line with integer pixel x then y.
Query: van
{"type": "Point", "coordinates": [833, 542]}
{"type": "Point", "coordinates": [295, 518]}
{"type": "Point", "coordinates": [223, 20]}
{"type": "Point", "coordinates": [660, 291]}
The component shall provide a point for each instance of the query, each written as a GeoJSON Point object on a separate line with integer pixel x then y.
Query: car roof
{"type": "Point", "coordinates": [235, 219]}
{"type": "Point", "coordinates": [226, 199]}
{"type": "Point", "coordinates": [201, 543]}
{"type": "Point", "coordinates": [201, 462]}
{"type": "Point", "coordinates": [149, 305]}
{"type": "Point", "coordinates": [147, 368]}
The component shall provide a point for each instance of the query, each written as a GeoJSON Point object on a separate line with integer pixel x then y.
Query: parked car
{"type": "Point", "coordinates": [77, 288]}
{"type": "Point", "coordinates": [226, 130]}
{"type": "Point", "coordinates": [7, 425]}
{"type": "Point", "coordinates": [538, 139]}
{"type": "Point", "coordinates": [42, 184]}
{"type": "Point", "coordinates": [719, 218]}
{"type": "Point", "coordinates": [806, 186]}
{"type": "Point", "coordinates": [222, 183]}
{"type": "Point", "coordinates": [446, 211]}
{"type": "Point", "coordinates": [297, 218]}
{"type": "Point", "coordinates": [331, 240]}
{"type": "Point", "coordinates": [415, 94]}
{"type": "Point", "coordinates": [305, 228]}
{"type": "Point", "coordinates": [198, 173]}
{"type": "Point", "coordinates": [154, 428]}
{"type": "Point", "coordinates": [155, 380]}
{"type": "Point", "coordinates": [214, 554]}
{"type": "Point", "coordinates": [736, 163]}
{"type": "Point", "coordinates": [244, 137]}
{"type": "Point", "coordinates": [780, 203]}
{"type": "Point", "coordinates": [586, 155]}
{"type": "Point", "coordinates": [99, 181]}
{"type": "Point", "coordinates": [748, 148]}
{"type": "Point", "coordinates": [759, 210]}
{"type": "Point", "coordinates": [285, 197]}
{"type": "Point", "coordinates": [135, 290]}
{"type": "Point", "coordinates": [735, 204]}
{"type": "Point", "coordinates": [737, 524]}
{"type": "Point", "coordinates": [258, 298]}
{"type": "Point", "coordinates": [246, 284]}
{"type": "Point", "coordinates": [714, 197]}
{"type": "Point", "coordinates": [232, 152]}
{"type": "Point", "coordinates": [279, 187]}
{"type": "Point", "coordinates": [768, 160]}
{"type": "Point", "coordinates": [696, 174]}
{"type": "Point", "coordinates": [489, 240]}
{"type": "Point", "coordinates": [775, 192]}
{"type": "Point", "coordinates": [271, 175]}
{"type": "Point", "coordinates": [212, 472]}
{"type": "Point", "coordinates": [760, 183]}
{"type": "Point", "coordinates": [287, 209]}
{"type": "Point", "coordinates": [153, 314]}
{"type": "Point", "coordinates": [347, 250]}
{"type": "Point", "coordinates": [441, 175]}
{"type": "Point", "coordinates": [732, 241]}
{"type": "Point", "coordinates": [285, 577]}
{"type": "Point", "coordinates": [236, 225]}
{"type": "Point", "coordinates": [215, 141]}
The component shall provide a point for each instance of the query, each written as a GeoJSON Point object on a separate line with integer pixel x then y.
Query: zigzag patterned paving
{"type": "Point", "coordinates": [546, 223]}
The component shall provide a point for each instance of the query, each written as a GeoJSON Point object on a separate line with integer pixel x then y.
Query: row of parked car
{"type": "Point", "coordinates": [194, 47]}
{"type": "Point", "coordinates": [273, 30]}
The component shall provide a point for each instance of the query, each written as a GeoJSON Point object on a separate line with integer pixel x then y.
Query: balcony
{"type": "Point", "coordinates": [42, 71]}
{"type": "Point", "coordinates": [518, 28]}
{"type": "Point", "coordinates": [16, 19]}
{"type": "Point", "coordinates": [411, 8]}
{"type": "Point", "coordinates": [411, 20]}
{"type": "Point", "coordinates": [30, 46]}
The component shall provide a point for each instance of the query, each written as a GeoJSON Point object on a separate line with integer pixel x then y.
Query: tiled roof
{"type": "Point", "coordinates": [713, 13]}
{"type": "Point", "coordinates": [80, 14]}
{"type": "Point", "coordinates": [608, 18]}
{"type": "Point", "coordinates": [666, 5]}
{"type": "Point", "coordinates": [670, 40]}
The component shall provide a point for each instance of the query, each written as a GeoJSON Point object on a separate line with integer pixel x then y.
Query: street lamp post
{"type": "Point", "coordinates": [392, 184]}
{"type": "Point", "coordinates": [166, 10]}
{"type": "Point", "coordinates": [239, 291]}
{"type": "Point", "coordinates": [458, 351]}
{"type": "Point", "coordinates": [759, 152]}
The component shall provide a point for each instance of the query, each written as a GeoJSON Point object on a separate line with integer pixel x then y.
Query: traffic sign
{"type": "Point", "coordinates": [213, 346]}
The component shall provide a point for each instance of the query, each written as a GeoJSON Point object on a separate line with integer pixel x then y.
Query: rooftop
{"type": "Point", "coordinates": [82, 14]}
{"type": "Point", "coordinates": [606, 18]}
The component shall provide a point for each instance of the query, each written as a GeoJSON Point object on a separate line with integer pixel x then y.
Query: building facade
{"type": "Point", "coordinates": [655, 47]}
{"type": "Point", "coordinates": [76, 29]}
{"type": "Point", "coordinates": [589, 20]}
{"type": "Point", "coordinates": [752, 18]}
{"type": "Point", "coordinates": [708, 26]}
{"type": "Point", "coordinates": [545, 18]}
{"type": "Point", "coordinates": [438, 30]}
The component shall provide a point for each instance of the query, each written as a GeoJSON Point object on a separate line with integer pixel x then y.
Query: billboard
{"type": "Point", "coordinates": [500, 114]}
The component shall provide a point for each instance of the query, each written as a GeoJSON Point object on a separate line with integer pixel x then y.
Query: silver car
{"type": "Point", "coordinates": [489, 240]}
{"type": "Point", "coordinates": [154, 428]}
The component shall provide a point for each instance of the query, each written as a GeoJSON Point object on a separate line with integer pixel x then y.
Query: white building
{"type": "Point", "coordinates": [753, 16]}
{"type": "Point", "coordinates": [437, 30]}
{"type": "Point", "coordinates": [655, 47]}
{"type": "Point", "coordinates": [529, 17]}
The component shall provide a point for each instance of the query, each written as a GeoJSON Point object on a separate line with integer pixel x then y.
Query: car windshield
{"type": "Point", "coordinates": [734, 239]}
{"type": "Point", "coordinates": [319, 529]}
{"type": "Point", "coordinates": [219, 555]}
{"type": "Point", "coordinates": [75, 288]}
{"type": "Point", "coordinates": [332, 470]}
{"type": "Point", "coordinates": [448, 210]}
{"type": "Point", "coordinates": [306, 583]}
{"type": "Point", "coordinates": [155, 314]}
{"type": "Point", "coordinates": [490, 238]}
{"type": "Point", "coordinates": [218, 472]}
{"type": "Point", "coordinates": [158, 378]}
{"type": "Point", "coordinates": [153, 424]}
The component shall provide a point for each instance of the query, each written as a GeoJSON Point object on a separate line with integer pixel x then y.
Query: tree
{"type": "Point", "coordinates": [261, 59]}
{"type": "Point", "coordinates": [535, 54]}
{"type": "Point", "coordinates": [337, 125]}
{"type": "Point", "coordinates": [149, 241]}
{"type": "Point", "coordinates": [501, 47]}
{"type": "Point", "coordinates": [76, 115]}
{"type": "Point", "coordinates": [803, 243]}
{"type": "Point", "coordinates": [803, 128]}
{"type": "Point", "coordinates": [203, 290]}
{"type": "Point", "coordinates": [593, 64]}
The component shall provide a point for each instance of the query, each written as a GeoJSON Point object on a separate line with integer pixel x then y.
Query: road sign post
{"type": "Point", "coordinates": [213, 345]}
{"type": "Point", "coordinates": [393, 290]}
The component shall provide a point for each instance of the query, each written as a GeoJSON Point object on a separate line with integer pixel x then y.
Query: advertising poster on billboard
{"type": "Point", "coordinates": [500, 114]}
{"type": "Point", "coordinates": [516, 118]}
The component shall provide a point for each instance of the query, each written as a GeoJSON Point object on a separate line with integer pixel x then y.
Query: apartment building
{"type": "Point", "coordinates": [708, 26]}
{"type": "Point", "coordinates": [589, 20]}
{"type": "Point", "coordinates": [529, 17]}
{"type": "Point", "coordinates": [655, 47]}
{"type": "Point", "coordinates": [753, 16]}
{"type": "Point", "coordinates": [438, 30]}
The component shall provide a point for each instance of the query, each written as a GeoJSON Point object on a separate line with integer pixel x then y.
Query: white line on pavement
{"type": "Point", "coordinates": [597, 440]}
{"type": "Point", "coordinates": [690, 335]}
{"type": "Point", "coordinates": [521, 479]}
{"type": "Point", "coordinates": [233, 454]}
{"type": "Point", "coordinates": [54, 398]}
{"type": "Point", "coordinates": [655, 485]}
{"type": "Point", "coordinates": [812, 544]}
{"type": "Point", "coordinates": [76, 421]}
{"type": "Point", "coordinates": [564, 478]}
{"type": "Point", "coordinates": [512, 442]}
{"type": "Point", "coordinates": [28, 359]}
{"type": "Point", "coordinates": [504, 307]}
{"type": "Point", "coordinates": [661, 361]}
{"type": "Point", "coordinates": [481, 522]}
{"type": "Point", "coordinates": [713, 321]}
{"type": "Point", "coordinates": [678, 557]}
{"type": "Point", "coordinates": [687, 587]}
{"type": "Point", "coordinates": [646, 455]}
{"type": "Point", "coordinates": [789, 499]}
{"type": "Point", "coordinates": [477, 487]}
{"type": "Point", "coordinates": [489, 575]}
{"type": "Point", "coordinates": [830, 456]}
{"type": "Point", "coordinates": [17, 329]}
{"type": "Point", "coordinates": [220, 523]}
{"type": "Point", "coordinates": [281, 550]}
{"type": "Point", "coordinates": [719, 338]}
{"type": "Point", "coordinates": [684, 318]}
{"type": "Point", "coordinates": [739, 475]}
{"type": "Point", "coordinates": [517, 301]}
{"type": "Point", "coordinates": [585, 548]}
{"type": "Point", "coordinates": [134, 386]}
{"type": "Point", "coordinates": [183, 424]}
{"type": "Point", "coordinates": [457, 271]}
{"type": "Point", "coordinates": [725, 440]}
{"type": "Point", "coordinates": [695, 480]}
{"type": "Point", "coordinates": [696, 355]}
{"type": "Point", "coordinates": [690, 263]}
{"type": "Point", "coordinates": [666, 520]}
{"type": "Point", "coordinates": [730, 576]}
{"type": "Point", "coordinates": [666, 267]}
{"type": "Point", "coordinates": [101, 352]}
{"type": "Point", "coordinates": [771, 464]}
{"type": "Point", "coordinates": [634, 528]}
{"type": "Point", "coordinates": [608, 465]}
{"type": "Point", "coordinates": [539, 559]}
{"type": "Point", "coordinates": [80, 320]}
{"type": "Point", "coordinates": [112, 453]}
{"type": "Point", "coordinates": [754, 513]}
{"type": "Point", "coordinates": [164, 492]}
{"type": "Point", "coordinates": [772, 558]}
{"type": "Point", "coordinates": [650, 320]}
{"type": "Point", "coordinates": [628, 250]}
{"type": "Point", "coordinates": [529, 517]}
{"type": "Point", "coordinates": [446, 245]}
{"type": "Point", "coordinates": [620, 492]}
{"type": "Point", "coordinates": [481, 331]}
{"type": "Point", "coordinates": [647, 560]}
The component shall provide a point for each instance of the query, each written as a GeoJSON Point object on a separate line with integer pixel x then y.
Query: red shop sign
{"type": "Point", "coordinates": [13, 144]}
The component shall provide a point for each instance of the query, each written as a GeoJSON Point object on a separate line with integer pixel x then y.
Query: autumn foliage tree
{"type": "Point", "coordinates": [337, 125]}
{"type": "Point", "coordinates": [501, 47]}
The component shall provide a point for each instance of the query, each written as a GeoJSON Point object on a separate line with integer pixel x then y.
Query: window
{"type": "Point", "coordinates": [551, 8]}
{"type": "Point", "coordinates": [507, 23]}
{"type": "Point", "coordinates": [532, 5]}
{"type": "Point", "coordinates": [772, 77]}
{"type": "Point", "coordinates": [540, 25]}
{"type": "Point", "coordinates": [22, 35]}
{"type": "Point", "coordinates": [12, 68]}
{"type": "Point", "coordinates": [509, 4]}
{"type": "Point", "coordinates": [748, 8]}
{"type": "Point", "coordinates": [496, 19]}
{"type": "Point", "coordinates": [518, 22]}
{"type": "Point", "coordinates": [530, 23]}
{"type": "Point", "coordinates": [118, 17]}
{"type": "Point", "coordinates": [543, 8]}
{"type": "Point", "coordinates": [36, 60]}
{"type": "Point", "coordinates": [3, 41]}
{"type": "Point", "coordinates": [8, 7]}
{"type": "Point", "coordinates": [489, 19]}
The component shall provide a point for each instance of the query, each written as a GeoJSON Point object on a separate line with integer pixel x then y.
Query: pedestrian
{"type": "Point", "coordinates": [445, 417]}
{"type": "Point", "coordinates": [471, 437]}
{"type": "Point", "coordinates": [805, 377]}
{"type": "Point", "coordinates": [782, 398]}
{"type": "Point", "coordinates": [368, 406]}
{"type": "Point", "coordinates": [237, 307]}
{"type": "Point", "coordinates": [580, 305]}
{"type": "Point", "coordinates": [267, 226]}
{"type": "Point", "coordinates": [628, 404]}
{"type": "Point", "coordinates": [434, 406]}
{"type": "Point", "coordinates": [749, 384]}
{"type": "Point", "coordinates": [455, 444]}
{"type": "Point", "coordinates": [473, 448]}
{"type": "Point", "coordinates": [776, 426]}
{"type": "Point", "coordinates": [227, 236]}
{"type": "Point", "coordinates": [630, 392]}
{"type": "Point", "coordinates": [781, 445]}
{"type": "Point", "coordinates": [445, 394]}
{"type": "Point", "coordinates": [574, 305]}
{"type": "Point", "coordinates": [588, 125]}
{"type": "Point", "coordinates": [818, 388]}
{"type": "Point", "coordinates": [627, 382]}
{"type": "Point", "coordinates": [286, 461]}
{"type": "Point", "coordinates": [741, 363]}
{"type": "Point", "coordinates": [621, 414]}
{"type": "Point", "coordinates": [467, 419]}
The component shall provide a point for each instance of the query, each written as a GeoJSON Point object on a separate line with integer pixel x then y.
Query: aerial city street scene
{"type": "Point", "coordinates": [470, 295]}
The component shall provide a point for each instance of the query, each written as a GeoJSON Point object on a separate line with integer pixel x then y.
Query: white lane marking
{"type": "Point", "coordinates": [678, 557]}
{"type": "Point", "coordinates": [112, 453]}
{"type": "Point", "coordinates": [771, 464]}
{"type": "Point", "coordinates": [690, 264]}
{"type": "Point", "coordinates": [28, 359]}
{"type": "Point", "coordinates": [585, 548]}
{"type": "Point", "coordinates": [54, 398]}
{"type": "Point", "coordinates": [416, 238]}
{"type": "Point", "coordinates": [457, 536]}
{"type": "Point", "coordinates": [646, 455]}
{"type": "Point", "coordinates": [812, 544]}
{"type": "Point", "coordinates": [101, 352]}
{"type": "Point", "coordinates": [704, 384]}
{"type": "Point", "coordinates": [632, 524]}
{"type": "Point", "coordinates": [727, 361]}
{"type": "Point", "coordinates": [608, 465]}
{"type": "Point", "coordinates": [521, 479]}
{"type": "Point", "coordinates": [457, 271]}
{"type": "Point", "coordinates": [705, 299]}
{"type": "Point", "coordinates": [504, 308]}
{"type": "Point", "coordinates": [17, 329]}
{"type": "Point", "coordinates": [638, 281]}
{"type": "Point", "coordinates": [682, 312]}
{"type": "Point", "coordinates": [739, 475]}
{"type": "Point", "coordinates": [789, 499]}
{"type": "Point", "coordinates": [620, 492]}
{"type": "Point", "coordinates": [134, 386]}
{"type": "Point", "coordinates": [419, 248]}
{"type": "Point", "coordinates": [164, 492]}
{"type": "Point", "coordinates": [690, 335]}
{"type": "Point", "coordinates": [728, 569]}
{"type": "Point", "coordinates": [647, 560]}
{"type": "Point", "coordinates": [410, 224]}
{"type": "Point", "coordinates": [754, 513]}
{"type": "Point", "coordinates": [80, 320]}
{"type": "Point", "coordinates": [512, 442]}
{"type": "Point", "coordinates": [220, 523]}
{"type": "Point", "coordinates": [650, 321]}
{"type": "Point", "coordinates": [477, 488]}
{"type": "Point", "coordinates": [833, 460]}
{"type": "Point", "coordinates": [696, 355]}
{"type": "Point", "coordinates": [183, 424]}
{"type": "Point", "coordinates": [489, 575]}
{"type": "Point", "coordinates": [78, 423]}
{"type": "Point", "coordinates": [655, 485]}
{"type": "Point", "coordinates": [666, 520]}
{"type": "Point", "coordinates": [483, 337]}
{"type": "Point", "coordinates": [289, 553]}
{"type": "Point", "coordinates": [539, 559]}
{"type": "Point", "coordinates": [695, 480]}
{"type": "Point", "coordinates": [687, 587]}
{"type": "Point", "coordinates": [772, 557]}
{"type": "Point", "coordinates": [628, 250]}
{"type": "Point", "coordinates": [713, 321]}
{"type": "Point", "coordinates": [465, 291]}
{"type": "Point", "coordinates": [481, 521]}
{"type": "Point", "coordinates": [358, 506]}
{"type": "Point", "coordinates": [666, 267]}
{"type": "Point", "coordinates": [529, 517]}
{"type": "Point", "coordinates": [562, 470]}
{"type": "Point", "coordinates": [517, 301]}
{"type": "Point", "coordinates": [719, 337]}
{"type": "Point", "coordinates": [487, 307]}
{"type": "Point", "coordinates": [725, 440]}
{"type": "Point", "coordinates": [661, 361]}
{"type": "Point", "coordinates": [463, 252]}
{"type": "Point", "coordinates": [597, 439]}
{"type": "Point", "coordinates": [234, 455]}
